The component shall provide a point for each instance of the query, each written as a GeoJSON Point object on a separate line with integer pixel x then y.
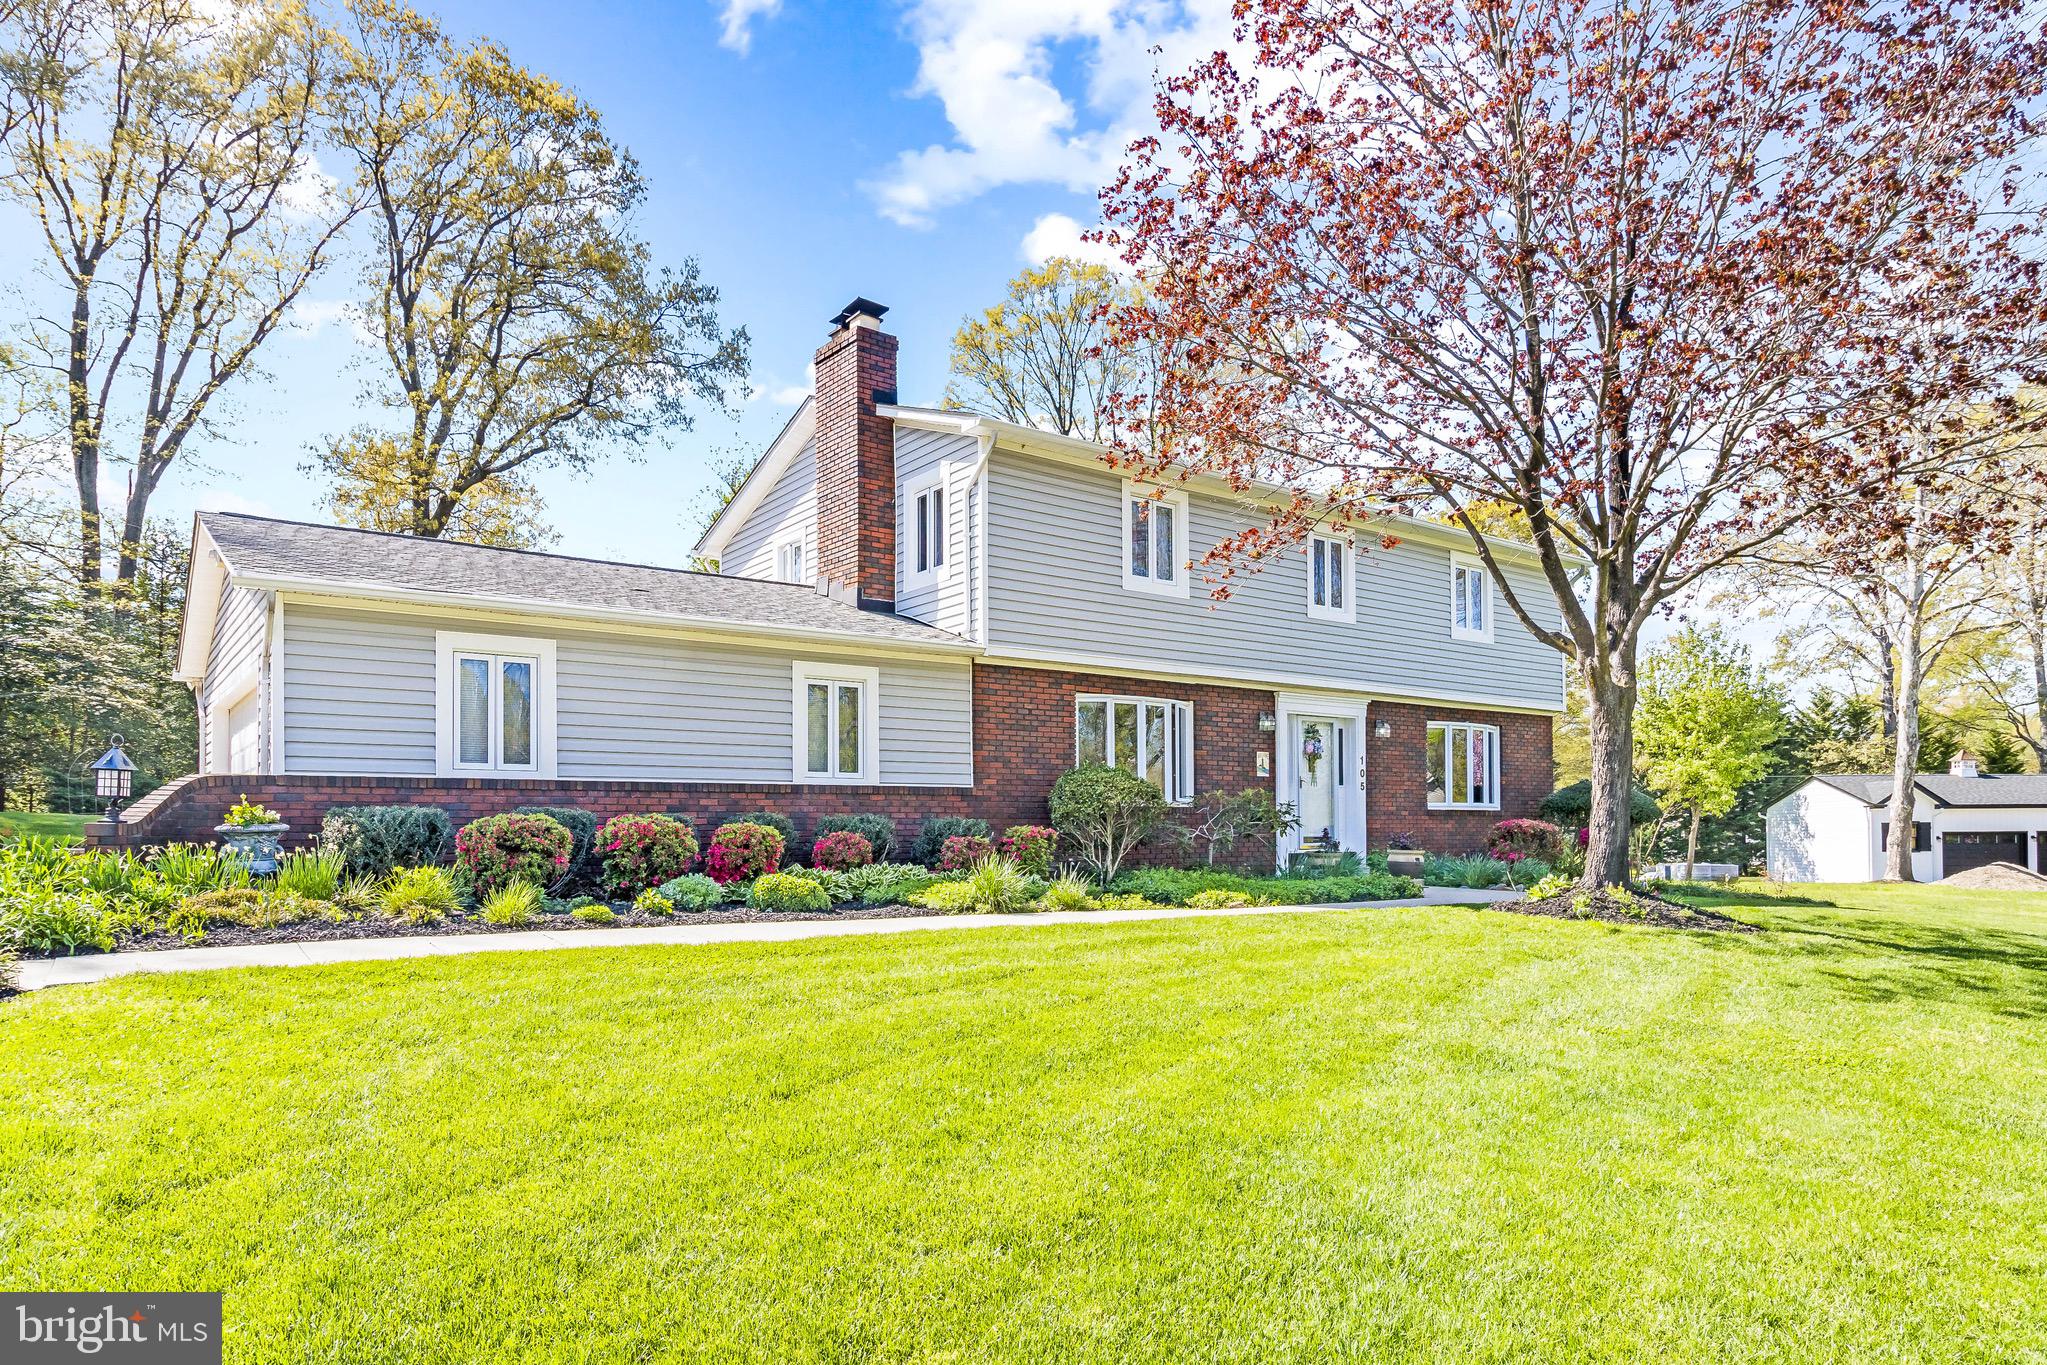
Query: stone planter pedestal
{"type": "Point", "coordinates": [262, 845]}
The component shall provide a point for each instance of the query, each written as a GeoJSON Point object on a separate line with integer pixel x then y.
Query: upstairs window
{"type": "Point", "coordinates": [1329, 579]}
{"type": "Point", "coordinates": [925, 554]}
{"type": "Point", "coordinates": [789, 565]}
{"type": "Point", "coordinates": [1463, 766]}
{"type": "Point", "coordinates": [1146, 736]}
{"type": "Point", "coordinates": [1154, 535]}
{"type": "Point", "coordinates": [1471, 600]}
{"type": "Point", "coordinates": [836, 714]}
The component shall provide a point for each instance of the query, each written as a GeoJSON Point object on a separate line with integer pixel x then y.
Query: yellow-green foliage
{"type": "Point", "coordinates": [419, 895]}
{"type": "Point", "coordinates": [515, 902]}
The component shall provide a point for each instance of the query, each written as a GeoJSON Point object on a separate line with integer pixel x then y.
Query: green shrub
{"type": "Point", "coordinates": [1552, 885]}
{"type": "Point", "coordinates": [10, 972]}
{"type": "Point", "coordinates": [515, 902]}
{"type": "Point", "coordinates": [256, 908]}
{"type": "Point", "coordinates": [376, 841]}
{"type": "Point", "coordinates": [992, 886]}
{"type": "Point", "coordinates": [878, 830]}
{"type": "Point", "coordinates": [639, 851]}
{"type": "Point", "coordinates": [886, 883]}
{"type": "Point", "coordinates": [1103, 814]}
{"type": "Point", "coordinates": [582, 828]}
{"type": "Point", "coordinates": [695, 892]}
{"type": "Point", "coordinates": [313, 875]}
{"type": "Point", "coordinates": [1179, 886]}
{"type": "Point", "coordinates": [419, 895]}
{"type": "Point", "coordinates": [788, 892]}
{"type": "Point", "coordinates": [47, 919]}
{"type": "Point", "coordinates": [499, 849]}
{"type": "Point", "coordinates": [834, 883]}
{"type": "Point", "coordinates": [1476, 871]}
{"type": "Point", "coordinates": [1216, 898]}
{"type": "Point", "coordinates": [1069, 891]}
{"type": "Point", "coordinates": [1572, 805]}
{"type": "Point", "coordinates": [652, 902]}
{"type": "Point", "coordinates": [951, 897]}
{"type": "Point", "coordinates": [931, 838]}
{"type": "Point", "coordinates": [962, 851]}
{"type": "Point", "coordinates": [594, 914]}
{"type": "Point", "coordinates": [188, 869]}
{"type": "Point", "coordinates": [741, 852]}
{"type": "Point", "coordinates": [780, 824]}
{"type": "Point", "coordinates": [1031, 847]}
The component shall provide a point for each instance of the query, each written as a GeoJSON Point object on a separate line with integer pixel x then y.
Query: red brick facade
{"type": "Point", "coordinates": [856, 462]}
{"type": "Point", "coordinates": [1023, 740]}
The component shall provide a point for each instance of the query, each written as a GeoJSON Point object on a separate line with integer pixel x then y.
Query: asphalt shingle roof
{"type": "Point", "coordinates": [265, 548]}
{"type": "Point", "coordinates": [1987, 789]}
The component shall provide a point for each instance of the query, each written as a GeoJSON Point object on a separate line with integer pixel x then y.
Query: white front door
{"type": "Point", "coordinates": [1317, 742]}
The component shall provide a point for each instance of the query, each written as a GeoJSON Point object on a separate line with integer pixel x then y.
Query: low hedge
{"type": "Point", "coordinates": [1176, 886]}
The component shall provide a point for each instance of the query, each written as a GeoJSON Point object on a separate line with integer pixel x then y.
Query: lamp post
{"type": "Point", "coordinates": [113, 778]}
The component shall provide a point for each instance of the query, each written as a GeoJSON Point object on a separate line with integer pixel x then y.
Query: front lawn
{"type": "Point", "coordinates": [52, 824]}
{"type": "Point", "coordinates": [1433, 1133]}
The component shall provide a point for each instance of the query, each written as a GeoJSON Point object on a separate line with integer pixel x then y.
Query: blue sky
{"type": "Point", "coordinates": [806, 152]}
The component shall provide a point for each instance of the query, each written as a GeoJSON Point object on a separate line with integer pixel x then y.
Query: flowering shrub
{"type": "Point", "coordinates": [841, 851]}
{"type": "Point", "coordinates": [640, 851]}
{"type": "Point", "coordinates": [962, 851]}
{"type": "Point", "coordinates": [1031, 847]}
{"type": "Point", "coordinates": [1512, 840]}
{"type": "Point", "coordinates": [742, 852]}
{"type": "Point", "coordinates": [500, 849]}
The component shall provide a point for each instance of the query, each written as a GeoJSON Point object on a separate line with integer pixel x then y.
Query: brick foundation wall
{"type": "Point", "coordinates": [1396, 777]}
{"type": "Point", "coordinates": [1023, 737]}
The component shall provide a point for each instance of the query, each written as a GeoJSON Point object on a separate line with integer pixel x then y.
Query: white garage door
{"type": "Point", "coordinates": [241, 737]}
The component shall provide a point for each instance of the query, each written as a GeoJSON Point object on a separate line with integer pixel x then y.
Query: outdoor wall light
{"type": "Point", "coordinates": [1382, 729]}
{"type": "Point", "coordinates": [1267, 722]}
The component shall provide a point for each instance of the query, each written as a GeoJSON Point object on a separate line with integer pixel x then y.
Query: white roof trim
{"type": "Point", "coordinates": [796, 433]}
{"type": "Point", "coordinates": [205, 579]}
{"type": "Point", "coordinates": [1030, 440]}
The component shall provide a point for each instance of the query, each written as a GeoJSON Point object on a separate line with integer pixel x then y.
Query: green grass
{"type": "Point", "coordinates": [1416, 1134]}
{"type": "Point", "coordinates": [13, 822]}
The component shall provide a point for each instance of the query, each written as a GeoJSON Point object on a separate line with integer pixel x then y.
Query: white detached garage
{"type": "Point", "coordinates": [1836, 827]}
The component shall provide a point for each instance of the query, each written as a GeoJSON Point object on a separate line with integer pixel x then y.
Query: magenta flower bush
{"type": "Point", "coordinates": [840, 851]}
{"type": "Point", "coordinates": [741, 852]}
{"type": "Point", "coordinates": [962, 851]}
{"type": "Point", "coordinates": [1513, 840]}
{"type": "Point", "coordinates": [498, 850]}
{"type": "Point", "coordinates": [1031, 847]}
{"type": "Point", "coordinates": [638, 852]}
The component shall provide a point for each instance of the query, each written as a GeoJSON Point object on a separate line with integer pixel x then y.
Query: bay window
{"type": "Point", "coordinates": [1463, 766]}
{"type": "Point", "coordinates": [1144, 736]}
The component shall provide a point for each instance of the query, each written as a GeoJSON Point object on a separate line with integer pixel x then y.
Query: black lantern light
{"type": "Point", "coordinates": [113, 777]}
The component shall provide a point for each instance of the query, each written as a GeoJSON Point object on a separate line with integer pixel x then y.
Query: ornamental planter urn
{"type": "Point", "coordinates": [262, 845]}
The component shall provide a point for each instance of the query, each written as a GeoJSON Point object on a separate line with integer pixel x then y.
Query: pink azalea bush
{"type": "Point", "coordinates": [1513, 840]}
{"type": "Point", "coordinates": [1031, 847]}
{"type": "Point", "coordinates": [642, 851]}
{"type": "Point", "coordinates": [498, 850]}
{"type": "Point", "coordinates": [741, 852]}
{"type": "Point", "coordinates": [840, 851]}
{"type": "Point", "coordinates": [962, 851]}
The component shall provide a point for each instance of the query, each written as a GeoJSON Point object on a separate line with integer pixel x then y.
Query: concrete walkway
{"type": "Point", "coordinates": [65, 971]}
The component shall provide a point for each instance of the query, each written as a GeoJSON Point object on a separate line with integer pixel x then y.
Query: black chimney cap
{"type": "Point", "coordinates": [857, 307]}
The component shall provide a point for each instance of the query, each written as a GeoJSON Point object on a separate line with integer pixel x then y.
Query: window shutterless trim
{"type": "Point", "coordinates": [1461, 564]}
{"type": "Point", "coordinates": [1175, 500]}
{"type": "Point", "coordinates": [449, 645]}
{"type": "Point", "coordinates": [911, 533]}
{"type": "Point", "coordinates": [1324, 551]}
{"type": "Point", "coordinates": [802, 674]}
{"type": "Point", "coordinates": [1449, 728]}
{"type": "Point", "coordinates": [1178, 765]}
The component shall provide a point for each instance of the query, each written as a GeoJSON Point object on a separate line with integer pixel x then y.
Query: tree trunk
{"type": "Point", "coordinates": [1692, 844]}
{"type": "Point", "coordinates": [1612, 707]}
{"type": "Point", "coordinates": [1904, 766]}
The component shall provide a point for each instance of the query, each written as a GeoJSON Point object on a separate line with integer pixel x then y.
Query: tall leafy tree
{"type": "Point", "coordinates": [1705, 726]}
{"type": "Point", "coordinates": [520, 323]}
{"type": "Point", "coordinates": [1652, 274]}
{"type": "Point", "coordinates": [165, 151]}
{"type": "Point", "coordinates": [1042, 357]}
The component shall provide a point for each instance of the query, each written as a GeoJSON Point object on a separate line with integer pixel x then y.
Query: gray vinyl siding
{"type": "Point", "coordinates": [788, 510]}
{"type": "Point", "coordinates": [358, 692]}
{"type": "Point", "coordinates": [1055, 584]}
{"type": "Point", "coordinates": [946, 602]}
{"type": "Point", "coordinates": [360, 699]}
{"type": "Point", "coordinates": [238, 635]}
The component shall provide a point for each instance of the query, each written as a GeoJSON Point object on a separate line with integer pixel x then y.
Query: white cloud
{"type": "Point", "coordinates": [1055, 234]}
{"type": "Point", "coordinates": [738, 16]}
{"type": "Point", "coordinates": [225, 500]}
{"type": "Point", "coordinates": [310, 317]}
{"type": "Point", "coordinates": [996, 66]}
{"type": "Point", "coordinates": [781, 396]}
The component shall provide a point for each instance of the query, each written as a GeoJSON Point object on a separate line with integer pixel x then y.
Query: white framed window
{"type": "Point", "coordinates": [1464, 766]}
{"type": "Point", "coordinates": [837, 723]}
{"type": "Point", "coordinates": [1330, 594]}
{"type": "Point", "coordinates": [790, 565]}
{"type": "Point", "coordinates": [1148, 736]}
{"type": "Point", "coordinates": [494, 711]}
{"type": "Point", "coordinates": [1154, 541]}
{"type": "Point", "coordinates": [926, 524]}
{"type": "Point", "coordinates": [1471, 600]}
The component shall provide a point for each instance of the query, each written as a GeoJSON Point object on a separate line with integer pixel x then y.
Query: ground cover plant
{"type": "Point", "coordinates": [1384, 1134]}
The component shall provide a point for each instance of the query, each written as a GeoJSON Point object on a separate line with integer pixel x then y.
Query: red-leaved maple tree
{"type": "Point", "coordinates": [1654, 279]}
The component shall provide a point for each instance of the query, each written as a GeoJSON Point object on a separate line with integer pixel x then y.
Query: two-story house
{"type": "Point", "coordinates": [919, 611]}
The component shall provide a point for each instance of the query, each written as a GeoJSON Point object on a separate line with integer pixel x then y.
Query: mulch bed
{"type": "Point", "coordinates": [376, 926]}
{"type": "Point", "coordinates": [1646, 909]}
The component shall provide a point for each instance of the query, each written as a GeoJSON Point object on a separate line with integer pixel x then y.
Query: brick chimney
{"type": "Point", "coordinates": [856, 457]}
{"type": "Point", "coordinates": [1962, 765]}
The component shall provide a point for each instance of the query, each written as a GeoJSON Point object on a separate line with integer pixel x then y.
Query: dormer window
{"type": "Point", "coordinates": [1471, 600]}
{"type": "Point", "coordinates": [1154, 541]}
{"type": "Point", "coordinates": [1330, 595]}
